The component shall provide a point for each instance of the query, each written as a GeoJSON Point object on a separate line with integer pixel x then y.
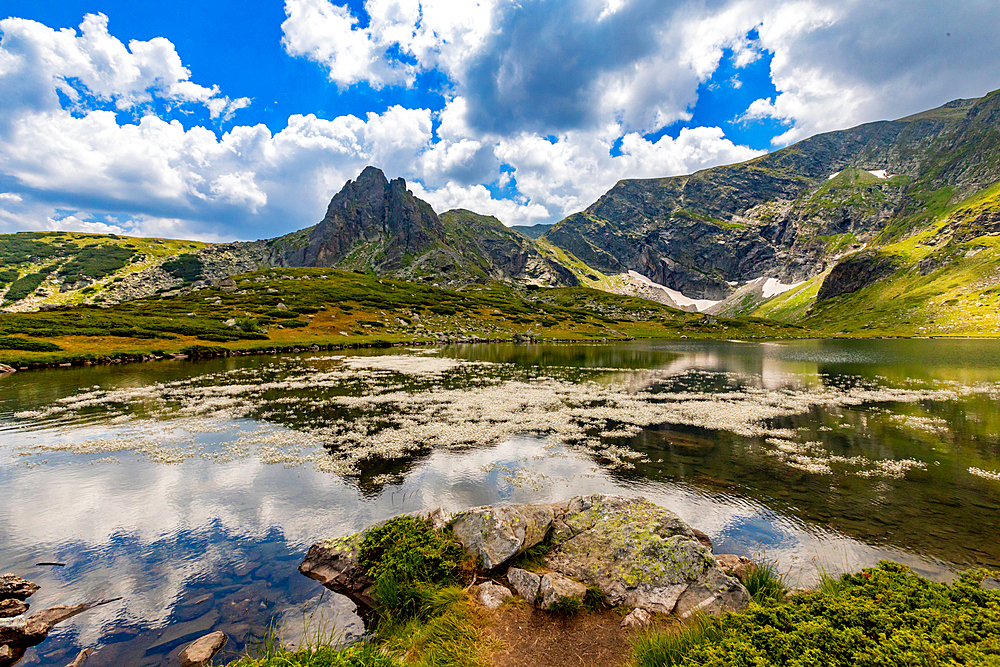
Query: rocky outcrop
{"type": "Point", "coordinates": [334, 563]}
{"type": "Point", "coordinates": [857, 272]}
{"type": "Point", "coordinates": [377, 225]}
{"type": "Point", "coordinates": [640, 555]}
{"type": "Point", "coordinates": [634, 552]}
{"type": "Point", "coordinates": [22, 632]}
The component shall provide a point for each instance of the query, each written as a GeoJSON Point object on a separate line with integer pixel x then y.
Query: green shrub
{"type": "Point", "coordinates": [294, 324]}
{"type": "Point", "coordinates": [248, 324]}
{"type": "Point", "coordinates": [187, 267]}
{"type": "Point", "coordinates": [15, 343]}
{"type": "Point", "coordinates": [885, 615]}
{"type": "Point", "coordinates": [96, 261]}
{"type": "Point", "coordinates": [8, 276]}
{"type": "Point", "coordinates": [24, 286]}
{"type": "Point", "coordinates": [566, 607]}
{"type": "Point", "coordinates": [594, 600]}
{"type": "Point", "coordinates": [410, 549]}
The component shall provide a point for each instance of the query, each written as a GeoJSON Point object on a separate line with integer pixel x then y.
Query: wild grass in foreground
{"type": "Point", "coordinates": [885, 615]}
{"type": "Point", "coordinates": [359, 655]}
{"type": "Point", "coordinates": [423, 616]}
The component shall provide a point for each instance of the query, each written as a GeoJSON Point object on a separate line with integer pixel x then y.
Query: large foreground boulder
{"type": "Point", "coordinates": [497, 534]}
{"type": "Point", "coordinates": [638, 554]}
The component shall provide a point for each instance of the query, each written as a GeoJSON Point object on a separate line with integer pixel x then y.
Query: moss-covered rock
{"type": "Point", "coordinates": [641, 555]}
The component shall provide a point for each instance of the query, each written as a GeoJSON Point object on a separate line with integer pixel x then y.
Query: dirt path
{"type": "Point", "coordinates": [535, 639]}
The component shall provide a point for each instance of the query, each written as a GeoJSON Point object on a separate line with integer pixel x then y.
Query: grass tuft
{"type": "Point", "coordinates": [764, 583]}
{"type": "Point", "coordinates": [665, 648]}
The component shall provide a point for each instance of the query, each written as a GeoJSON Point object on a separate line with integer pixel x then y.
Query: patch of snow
{"type": "Point", "coordinates": [774, 287]}
{"type": "Point", "coordinates": [832, 176]}
{"type": "Point", "coordinates": [681, 300]}
{"type": "Point", "coordinates": [880, 173]}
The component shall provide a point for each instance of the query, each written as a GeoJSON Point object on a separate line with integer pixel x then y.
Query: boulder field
{"type": "Point", "coordinates": [636, 553]}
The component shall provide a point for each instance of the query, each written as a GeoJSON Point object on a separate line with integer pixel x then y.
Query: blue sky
{"type": "Point", "coordinates": [229, 120]}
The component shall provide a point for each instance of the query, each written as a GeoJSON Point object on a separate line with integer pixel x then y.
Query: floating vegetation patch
{"type": "Point", "coordinates": [985, 474]}
{"type": "Point", "coordinates": [341, 413]}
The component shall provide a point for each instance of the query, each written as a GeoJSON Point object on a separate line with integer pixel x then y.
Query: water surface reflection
{"type": "Point", "coordinates": [212, 541]}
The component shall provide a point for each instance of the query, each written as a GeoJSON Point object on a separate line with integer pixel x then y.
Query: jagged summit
{"type": "Point", "coordinates": [377, 225]}
{"type": "Point", "coordinates": [374, 219]}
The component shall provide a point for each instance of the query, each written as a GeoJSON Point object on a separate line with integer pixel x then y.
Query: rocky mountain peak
{"type": "Point", "coordinates": [377, 219]}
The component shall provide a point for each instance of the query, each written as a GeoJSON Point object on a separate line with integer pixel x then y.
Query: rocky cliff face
{"type": "Point", "coordinates": [376, 221]}
{"type": "Point", "coordinates": [377, 225]}
{"type": "Point", "coordinates": [792, 213]}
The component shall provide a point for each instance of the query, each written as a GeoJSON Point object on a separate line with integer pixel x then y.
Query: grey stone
{"type": "Point", "coordinates": [638, 619]}
{"type": "Point", "coordinates": [201, 651]}
{"type": "Point", "coordinates": [281, 306]}
{"type": "Point", "coordinates": [555, 587]}
{"type": "Point", "coordinates": [703, 539]}
{"type": "Point", "coordinates": [525, 583]}
{"type": "Point", "coordinates": [493, 595]}
{"type": "Point", "coordinates": [497, 534]}
{"type": "Point", "coordinates": [639, 554]}
{"type": "Point", "coordinates": [322, 618]}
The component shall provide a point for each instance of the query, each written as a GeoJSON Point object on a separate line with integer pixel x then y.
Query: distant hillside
{"type": "Point", "coordinates": [372, 225]}
{"type": "Point", "coordinates": [532, 231]}
{"type": "Point", "coordinates": [296, 309]}
{"type": "Point", "coordinates": [792, 214]}
{"type": "Point", "coordinates": [889, 228]}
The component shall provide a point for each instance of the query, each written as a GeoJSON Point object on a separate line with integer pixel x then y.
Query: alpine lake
{"type": "Point", "coordinates": [192, 490]}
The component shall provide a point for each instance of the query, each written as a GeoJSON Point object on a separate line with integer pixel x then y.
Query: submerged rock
{"type": "Point", "coordinates": [200, 652]}
{"type": "Point", "coordinates": [81, 657]}
{"type": "Point", "coordinates": [18, 634]}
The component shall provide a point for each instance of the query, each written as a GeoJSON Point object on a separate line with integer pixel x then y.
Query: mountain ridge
{"type": "Point", "coordinates": [890, 203]}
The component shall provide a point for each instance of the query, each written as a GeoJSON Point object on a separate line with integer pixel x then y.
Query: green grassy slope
{"type": "Point", "coordinates": [36, 266]}
{"type": "Point", "coordinates": [300, 308]}
{"type": "Point", "coordinates": [948, 281]}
